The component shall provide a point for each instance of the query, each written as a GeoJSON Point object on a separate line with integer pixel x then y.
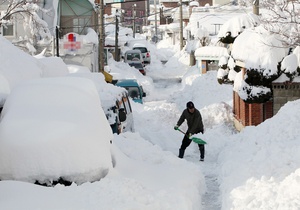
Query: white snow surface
{"type": "Point", "coordinates": [268, 50]}
{"type": "Point", "coordinates": [38, 123]}
{"type": "Point", "coordinates": [258, 168]}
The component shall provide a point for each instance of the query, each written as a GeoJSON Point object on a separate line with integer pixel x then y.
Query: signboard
{"type": "Point", "coordinates": [72, 43]}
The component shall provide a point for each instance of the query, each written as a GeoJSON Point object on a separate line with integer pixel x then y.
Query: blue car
{"type": "Point", "coordinates": [135, 91]}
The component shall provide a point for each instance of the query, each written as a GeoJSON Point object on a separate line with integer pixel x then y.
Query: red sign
{"type": "Point", "coordinates": [71, 42]}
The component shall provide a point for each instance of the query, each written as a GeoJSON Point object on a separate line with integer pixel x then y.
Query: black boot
{"type": "Point", "coordinates": [181, 153]}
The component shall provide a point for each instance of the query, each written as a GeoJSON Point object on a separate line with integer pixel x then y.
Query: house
{"type": "Point", "coordinates": [134, 13]}
{"type": "Point", "coordinates": [257, 94]}
{"type": "Point", "coordinates": [73, 25]}
{"type": "Point", "coordinates": [207, 58]}
{"type": "Point", "coordinates": [253, 99]}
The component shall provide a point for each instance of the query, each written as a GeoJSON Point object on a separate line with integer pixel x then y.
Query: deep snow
{"type": "Point", "coordinates": [255, 169]}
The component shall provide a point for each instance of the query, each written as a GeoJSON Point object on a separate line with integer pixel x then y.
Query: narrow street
{"type": "Point", "coordinates": [211, 199]}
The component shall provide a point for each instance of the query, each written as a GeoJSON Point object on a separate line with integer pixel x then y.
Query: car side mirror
{"type": "Point", "coordinates": [144, 94]}
{"type": "Point", "coordinates": [122, 115]}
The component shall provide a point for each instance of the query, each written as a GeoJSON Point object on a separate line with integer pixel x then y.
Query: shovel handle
{"type": "Point", "coordinates": [181, 131]}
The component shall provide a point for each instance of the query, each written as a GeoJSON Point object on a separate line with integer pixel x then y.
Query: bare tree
{"type": "Point", "coordinates": [283, 18]}
{"type": "Point", "coordinates": [25, 12]}
{"type": "Point", "coordinates": [280, 17]}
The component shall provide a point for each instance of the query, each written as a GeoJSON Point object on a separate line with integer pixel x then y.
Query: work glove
{"type": "Point", "coordinates": [176, 127]}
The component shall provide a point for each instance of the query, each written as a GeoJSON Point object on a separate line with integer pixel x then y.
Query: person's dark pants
{"type": "Point", "coordinates": [202, 150]}
{"type": "Point", "coordinates": [185, 143]}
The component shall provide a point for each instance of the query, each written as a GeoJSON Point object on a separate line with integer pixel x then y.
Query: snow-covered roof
{"type": "Point", "coordinates": [211, 52]}
{"type": "Point", "coordinates": [194, 4]}
{"type": "Point", "coordinates": [173, 27]}
{"type": "Point", "coordinates": [261, 50]}
{"type": "Point", "coordinates": [123, 37]}
{"type": "Point", "coordinates": [237, 24]}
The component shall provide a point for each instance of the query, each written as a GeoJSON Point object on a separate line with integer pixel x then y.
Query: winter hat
{"type": "Point", "coordinates": [190, 105]}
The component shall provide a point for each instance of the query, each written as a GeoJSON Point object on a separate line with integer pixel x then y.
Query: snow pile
{"type": "Point", "coordinates": [261, 171]}
{"type": "Point", "coordinates": [268, 50]}
{"type": "Point", "coordinates": [39, 124]}
{"type": "Point", "coordinates": [238, 24]}
{"type": "Point", "coordinates": [16, 66]}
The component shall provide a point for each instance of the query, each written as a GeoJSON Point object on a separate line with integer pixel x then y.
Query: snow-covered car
{"type": "Point", "coordinates": [114, 101]}
{"type": "Point", "coordinates": [145, 52]}
{"type": "Point", "coordinates": [135, 90]}
{"type": "Point", "coordinates": [138, 65]}
{"type": "Point", "coordinates": [54, 131]}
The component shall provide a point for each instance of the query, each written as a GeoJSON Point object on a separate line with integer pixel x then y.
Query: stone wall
{"type": "Point", "coordinates": [284, 92]}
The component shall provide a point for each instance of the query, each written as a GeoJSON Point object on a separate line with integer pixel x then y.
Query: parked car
{"type": "Point", "coordinates": [135, 91]}
{"type": "Point", "coordinates": [133, 55]}
{"type": "Point", "coordinates": [120, 116]}
{"type": "Point", "coordinates": [145, 52]}
{"type": "Point", "coordinates": [114, 101]}
{"type": "Point", "coordinates": [53, 130]}
{"type": "Point", "coordinates": [139, 66]}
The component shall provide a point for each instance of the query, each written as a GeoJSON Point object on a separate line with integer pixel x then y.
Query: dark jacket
{"type": "Point", "coordinates": [194, 121]}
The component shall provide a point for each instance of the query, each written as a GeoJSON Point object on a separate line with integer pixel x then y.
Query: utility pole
{"type": "Point", "coordinates": [147, 11]}
{"type": "Point", "coordinates": [256, 7]}
{"type": "Point", "coordinates": [181, 26]}
{"type": "Point", "coordinates": [155, 21]}
{"type": "Point", "coordinates": [133, 19]}
{"type": "Point", "coordinates": [57, 40]}
{"type": "Point", "coordinates": [117, 58]}
{"type": "Point", "coordinates": [101, 37]}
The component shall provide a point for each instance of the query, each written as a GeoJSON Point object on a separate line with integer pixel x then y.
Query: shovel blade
{"type": "Point", "coordinates": [198, 140]}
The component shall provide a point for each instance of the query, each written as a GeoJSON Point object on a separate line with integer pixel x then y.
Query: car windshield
{"type": "Point", "coordinates": [136, 65]}
{"type": "Point", "coordinates": [142, 49]}
{"type": "Point", "coordinates": [133, 92]}
{"type": "Point", "coordinates": [131, 56]}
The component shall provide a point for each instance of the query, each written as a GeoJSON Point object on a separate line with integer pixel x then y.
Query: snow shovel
{"type": "Point", "coordinates": [194, 139]}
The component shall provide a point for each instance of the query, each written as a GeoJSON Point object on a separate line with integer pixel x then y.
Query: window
{"type": "Point", "coordinates": [141, 13]}
{"type": "Point", "coordinates": [7, 30]}
{"type": "Point", "coordinates": [133, 92]}
{"type": "Point", "coordinates": [80, 23]}
{"type": "Point", "coordinates": [126, 104]}
{"type": "Point", "coordinates": [75, 24]}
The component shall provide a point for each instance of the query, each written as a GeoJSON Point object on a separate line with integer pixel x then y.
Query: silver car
{"type": "Point", "coordinates": [145, 52]}
{"type": "Point", "coordinates": [133, 55]}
